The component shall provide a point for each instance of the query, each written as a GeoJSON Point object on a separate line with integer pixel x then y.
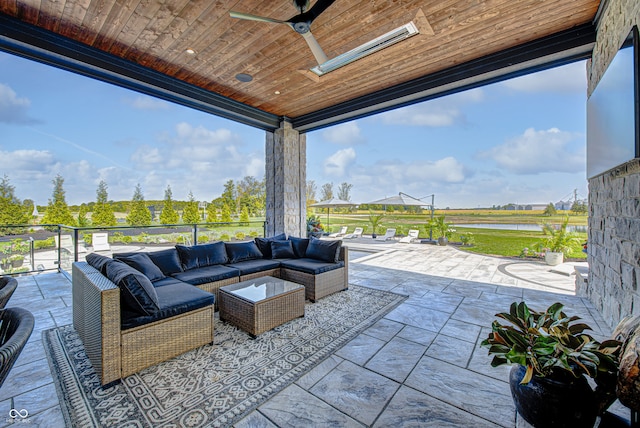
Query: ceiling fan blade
{"type": "Point", "coordinates": [319, 7]}
{"type": "Point", "coordinates": [316, 50]}
{"type": "Point", "coordinates": [250, 17]}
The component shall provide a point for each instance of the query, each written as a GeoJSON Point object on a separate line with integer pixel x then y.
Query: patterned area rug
{"type": "Point", "coordinates": [212, 386]}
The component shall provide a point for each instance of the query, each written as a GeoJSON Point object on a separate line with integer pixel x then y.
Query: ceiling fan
{"type": "Point", "coordinates": [300, 23]}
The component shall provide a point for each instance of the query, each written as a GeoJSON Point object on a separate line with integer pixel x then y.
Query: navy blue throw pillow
{"type": "Point", "coordinates": [282, 250]}
{"type": "Point", "coordinates": [264, 244]}
{"type": "Point", "coordinates": [167, 260]}
{"type": "Point", "coordinates": [137, 292]}
{"type": "Point", "coordinates": [202, 255]}
{"type": "Point", "coordinates": [326, 251]}
{"type": "Point", "coordinates": [98, 261]}
{"type": "Point", "coordinates": [299, 246]}
{"type": "Point", "coordinates": [241, 251]}
{"type": "Point", "coordinates": [142, 263]}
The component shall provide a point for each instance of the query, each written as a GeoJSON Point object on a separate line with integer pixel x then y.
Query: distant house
{"type": "Point", "coordinates": [563, 205]}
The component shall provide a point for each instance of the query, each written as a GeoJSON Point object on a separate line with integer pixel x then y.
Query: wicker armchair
{"type": "Point", "coordinates": [7, 286]}
{"type": "Point", "coordinates": [16, 325]}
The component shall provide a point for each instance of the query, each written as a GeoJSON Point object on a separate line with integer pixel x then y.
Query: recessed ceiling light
{"type": "Point", "coordinates": [190, 51]}
{"type": "Point", "coordinates": [243, 77]}
{"type": "Point", "coordinates": [277, 92]}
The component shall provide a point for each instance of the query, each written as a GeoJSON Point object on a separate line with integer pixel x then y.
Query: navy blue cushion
{"type": "Point", "coordinates": [175, 299]}
{"type": "Point", "coordinates": [136, 291]}
{"type": "Point", "coordinates": [142, 263]}
{"type": "Point", "coordinates": [197, 256]}
{"type": "Point", "coordinates": [241, 251]}
{"type": "Point", "coordinates": [98, 261]}
{"type": "Point", "coordinates": [207, 274]}
{"type": "Point", "coordinates": [252, 266]}
{"type": "Point", "coordinates": [311, 266]}
{"type": "Point", "coordinates": [264, 244]}
{"type": "Point", "coordinates": [326, 251]}
{"type": "Point", "coordinates": [282, 250]}
{"type": "Point", "coordinates": [167, 280]}
{"type": "Point", "coordinates": [167, 260]}
{"type": "Point", "coordinates": [299, 246]}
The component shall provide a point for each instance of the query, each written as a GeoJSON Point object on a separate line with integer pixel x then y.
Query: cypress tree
{"type": "Point", "coordinates": [168, 215]}
{"type": "Point", "coordinates": [12, 211]}
{"type": "Point", "coordinates": [102, 210]}
{"type": "Point", "coordinates": [139, 214]}
{"type": "Point", "coordinates": [191, 214]}
{"type": "Point", "coordinates": [57, 210]}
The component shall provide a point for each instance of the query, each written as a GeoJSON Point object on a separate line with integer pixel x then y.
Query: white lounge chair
{"type": "Point", "coordinates": [389, 234]}
{"type": "Point", "coordinates": [100, 242]}
{"type": "Point", "coordinates": [357, 233]}
{"type": "Point", "coordinates": [411, 236]}
{"type": "Point", "coordinates": [343, 231]}
{"type": "Point", "coordinates": [66, 243]}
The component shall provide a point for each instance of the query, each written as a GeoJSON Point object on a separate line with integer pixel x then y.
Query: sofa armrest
{"type": "Point", "coordinates": [344, 256]}
{"type": "Point", "coordinates": [96, 318]}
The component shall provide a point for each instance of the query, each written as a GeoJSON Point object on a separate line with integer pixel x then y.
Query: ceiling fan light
{"type": "Point", "coordinates": [379, 43]}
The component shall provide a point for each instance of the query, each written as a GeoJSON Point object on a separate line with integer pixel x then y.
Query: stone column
{"type": "Point", "coordinates": [286, 179]}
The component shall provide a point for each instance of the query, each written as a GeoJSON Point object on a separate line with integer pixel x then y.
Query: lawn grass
{"type": "Point", "coordinates": [498, 242]}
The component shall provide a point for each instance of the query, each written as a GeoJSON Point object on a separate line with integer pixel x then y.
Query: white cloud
{"type": "Point", "coordinates": [26, 163]}
{"type": "Point", "coordinates": [336, 165]}
{"type": "Point", "coordinates": [144, 102]}
{"type": "Point", "coordinates": [441, 112]}
{"type": "Point", "coordinates": [14, 109]}
{"type": "Point", "coordinates": [568, 78]}
{"type": "Point", "coordinates": [536, 152]}
{"type": "Point", "coordinates": [345, 134]}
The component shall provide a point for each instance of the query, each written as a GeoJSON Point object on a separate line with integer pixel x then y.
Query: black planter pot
{"type": "Point", "coordinates": [544, 402]}
{"type": "Point", "coordinates": [442, 241]}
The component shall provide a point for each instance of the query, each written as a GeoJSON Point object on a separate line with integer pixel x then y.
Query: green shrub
{"type": "Point", "coordinates": [240, 236]}
{"type": "Point", "coordinates": [225, 237]}
{"type": "Point", "coordinates": [254, 234]}
{"type": "Point", "coordinates": [44, 243]}
{"type": "Point", "coordinates": [203, 239]}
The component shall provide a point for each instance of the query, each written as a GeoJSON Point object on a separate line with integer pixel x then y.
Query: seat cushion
{"type": "Point", "coordinates": [142, 263]}
{"type": "Point", "coordinates": [311, 266]}
{"type": "Point", "coordinates": [299, 246]}
{"type": "Point", "coordinates": [282, 250]}
{"type": "Point", "coordinates": [137, 293]}
{"type": "Point", "coordinates": [175, 299]}
{"type": "Point", "coordinates": [264, 244]}
{"type": "Point", "coordinates": [252, 266]}
{"type": "Point", "coordinates": [326, 251]}
{"type": "Point", "coordinates": [167, 280]}
{"type": "Point", "coordinates": [197, 256]}
{"type": "Point", "coordinates": [167, 260]}
{"type": "Point", "coordinates": [207, 274]}
{"type": "Point", "coordinates": [241, 251]}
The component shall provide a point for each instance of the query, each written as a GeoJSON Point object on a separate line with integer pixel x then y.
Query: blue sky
{"type": "Point", "coordinates": [521, 141]}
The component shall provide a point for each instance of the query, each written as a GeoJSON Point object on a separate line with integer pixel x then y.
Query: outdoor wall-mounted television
{"type": "Point", "coordinates": [613, 111]}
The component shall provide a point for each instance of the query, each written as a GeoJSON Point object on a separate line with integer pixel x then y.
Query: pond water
{"type": "Point", "coordinates": [517, 226]}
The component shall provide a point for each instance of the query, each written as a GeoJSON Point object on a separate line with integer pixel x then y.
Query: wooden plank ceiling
{"type": "Point", "coordinates": [157, 34]}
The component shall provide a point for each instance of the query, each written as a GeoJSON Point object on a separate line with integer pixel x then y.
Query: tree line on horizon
{"type": "Point", "coordinates": [242, 200]}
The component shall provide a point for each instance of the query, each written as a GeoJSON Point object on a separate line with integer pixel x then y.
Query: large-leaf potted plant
{"type": "Point", "coordinates": [442, 229]}
{"type": "Point", "coordinates": [558, 243]}
{"type": "Point", "coordinates": [553, 358]}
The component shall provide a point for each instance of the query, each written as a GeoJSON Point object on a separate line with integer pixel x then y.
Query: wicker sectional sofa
{"type": "Point", "coordinates": [138, 309]}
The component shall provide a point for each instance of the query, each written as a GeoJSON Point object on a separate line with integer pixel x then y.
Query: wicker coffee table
{"type": "Point", "coordinates": [260, 304]}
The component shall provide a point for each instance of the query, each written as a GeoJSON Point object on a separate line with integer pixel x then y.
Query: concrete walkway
{"type": "Point", "coordinates": [420, 365]}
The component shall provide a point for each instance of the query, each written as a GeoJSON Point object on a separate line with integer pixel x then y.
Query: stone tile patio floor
{"type": "Point", "coordinates": [421, 365]}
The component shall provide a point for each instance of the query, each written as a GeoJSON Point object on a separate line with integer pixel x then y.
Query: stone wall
{"type": "Point", "coordinates": [285, 177]}
{"type": "Point", "coordinates": [614, 197]}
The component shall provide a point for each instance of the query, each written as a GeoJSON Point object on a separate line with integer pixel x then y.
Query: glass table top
{"type": "Point", "coordinates": [258, 289]}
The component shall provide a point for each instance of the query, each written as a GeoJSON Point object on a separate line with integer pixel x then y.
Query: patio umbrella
{"type": "Point", "coordinates": [332, 203]}
{"type": "Point", "coordinates": [405, 200]}
{"type": "Point", "coordinates": [401, 199]}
